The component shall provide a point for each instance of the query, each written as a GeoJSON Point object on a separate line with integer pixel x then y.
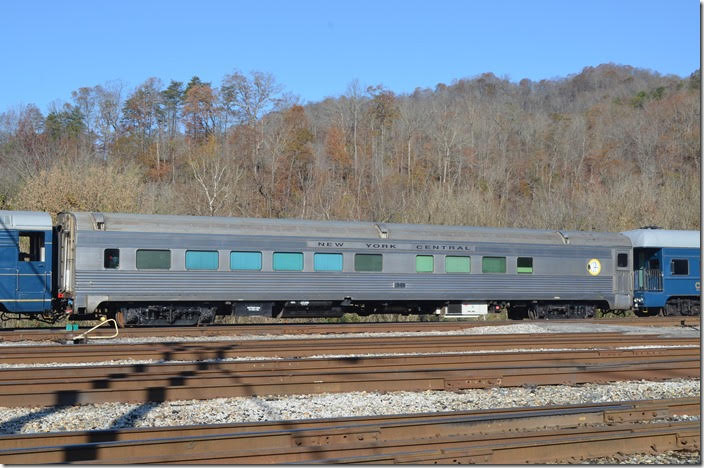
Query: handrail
{"type": "Point", "coordinates": [648, 279]}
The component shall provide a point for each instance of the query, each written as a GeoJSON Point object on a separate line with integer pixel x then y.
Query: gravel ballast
{"type": "Point", "coordinates": [680, 457]}
{"type": "Point", "coordinates": [327, 405]}
{"type": "Point", "coordinates": [334, 405]}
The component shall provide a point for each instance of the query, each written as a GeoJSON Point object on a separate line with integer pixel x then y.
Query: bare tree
{"type": "Point", "coordinates": [354, 96]}
{"type": "Point", "coordinates": [246, 99]}
{"type": "Point", "coordinates": [215, 177]}
{"type": "Point", "coordinates": [109, 102]}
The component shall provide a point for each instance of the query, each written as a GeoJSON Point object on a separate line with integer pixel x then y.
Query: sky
{"type": "Point", "coordinates": [314, 49]}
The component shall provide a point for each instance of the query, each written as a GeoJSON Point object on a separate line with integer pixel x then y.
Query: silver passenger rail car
{"type": "Point", "coordinates": [159, 269]}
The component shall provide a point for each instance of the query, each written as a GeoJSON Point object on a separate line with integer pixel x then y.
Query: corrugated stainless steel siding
{"type": "Point", "coordinates": [298, 285]}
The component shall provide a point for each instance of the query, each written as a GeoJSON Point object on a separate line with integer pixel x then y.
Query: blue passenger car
{"type": "Point", "coordinates": [26, 256]}
{"type": "Point", "coordinates": [667, 275]}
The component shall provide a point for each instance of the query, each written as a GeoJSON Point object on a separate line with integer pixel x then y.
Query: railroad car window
{"type": "Point", "coordinates": [202, 260]}
{"type": "Point", "coordinates": [368, 262]}
{"type": "Point", "coordinates": [111, 258]}
{"type": "Point", "coordinates": [622, 260]}
{"type": "Point", "coordinates": [457, 264]}
{"type": "Point", "coordinates": [680, 266]}
{"type": "Point", "coordinates": [493, 264]}
{"type": "Point", "coordinates": [245, 260]}
{"type": "Point", "coordinates": [31, 247]}
{"type": "Point", "coordinates": [327, 261]}
{"type": "Point", "coordinates": [524, 265]}
{"type": "Point", "coordinates": [288, 261]}
{"type": "Point", "coordinates": [424, 264]}
{"type": "Point", "coordinates": [153, 259]}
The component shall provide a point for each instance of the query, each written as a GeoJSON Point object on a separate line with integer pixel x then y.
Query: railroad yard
{"type": "Point", "coordinates": [580, 391]}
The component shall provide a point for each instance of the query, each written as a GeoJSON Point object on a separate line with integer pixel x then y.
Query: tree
{"type": "Point", "coordinates": [172, 104]}
{"type": "Point", "coordinates": [109, 102]}
{"type": "Point", "coordinates": [23, 147]}
{"type": "Point", "coordinates": [85, 101]}
{"type": "Point", "coordinates": [354, 100]}
{"type": "Point", "coordinates": [299, 154]}
{"type": "Point", "coordinates": [200, 110]}
{"type": "Point", "coordinates": [383, 112]}
{"type": "Point", "coordinates": [172, 101]}
{"type": "Point", "coordinates": [410, 122]}
{"type": "Point", "coordinates": [30, 126]}
{"type": "Point", "coordinates": [68, 122]}
{"type": "Point", "coordinates": [214, 175]}
{"type": "Point", "coordinates": [336, 149]}
{"type": "Point", "coordinates": [246, 99]}
{"type": "Point", "coordinates": [142, 113]}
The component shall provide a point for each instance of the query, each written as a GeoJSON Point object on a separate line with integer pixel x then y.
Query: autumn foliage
{"type": "Point", "coordinates": [611, 148]}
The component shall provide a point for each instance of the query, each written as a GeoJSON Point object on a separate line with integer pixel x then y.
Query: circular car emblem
{"type": "Point", "coordinates": [594, 267]}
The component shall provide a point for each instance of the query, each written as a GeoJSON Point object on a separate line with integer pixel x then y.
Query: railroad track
{"type": "Point", "coordinates": [57, 334]}
{"type": "Point", "coordinates": [203, 380]}
{"type": "Point", "coordinates": [306, 347]}
{"type": "Point", "coordinates": [525, 435]}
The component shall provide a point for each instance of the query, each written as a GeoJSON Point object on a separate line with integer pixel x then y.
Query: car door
{"type": "Point", "coordinates": [32, 273]}
{"type": "Point", "coordinates": [8, 269]}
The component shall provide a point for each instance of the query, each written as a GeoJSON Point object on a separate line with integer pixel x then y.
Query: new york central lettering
{"type": "Point", "coordinates": [355, 245]}
{"type": "Point", "coordinates": [469, 248]}
{"type": "Point", "coordinates": [390, 246]}
{"type": "Point", "coordinates": [331, 244]}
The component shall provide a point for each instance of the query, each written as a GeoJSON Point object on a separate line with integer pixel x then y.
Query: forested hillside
{"type": "Point", "coordinates": [610, 148]}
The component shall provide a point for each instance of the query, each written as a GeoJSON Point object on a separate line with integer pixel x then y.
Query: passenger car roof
{"type": "Point", "coordinates": [337, 229]}
{"type": "Point", "coordinates": [663, 238]}
{"type": "Point", "coordinates": [30, 220]}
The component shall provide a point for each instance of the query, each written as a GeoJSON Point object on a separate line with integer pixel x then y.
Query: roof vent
{"type": "Point", "coordinates": [98, 221]}
{"type": "Point", "coordinates": [383, 231]}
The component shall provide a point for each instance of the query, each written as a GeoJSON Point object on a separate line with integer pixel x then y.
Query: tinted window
{"type": "Point", "coordinates": [680, 267]}
{"type": "Point", "coordinates": [245, 260]}
{"type": "Point", "coordinates": [201, 260]}
{"type": "Point", "coordinates": [622, 260]}
{"type": "Point", "coordinates": [524, 265]}
{"type": "Point", "coordinates": [368, 262]}
{"type": "Point", "coordinates": [457, 264]}
{"type": "Point", "coordinates": [327, 262]}
{"type": "Point", "coordinates": [111, 258]}
{"type": "Point", "coordinates": [288, 261]}
{"type": "Point", "coordinates": [153, 259]}
{"type": "Point", "coordinates": [424, 263]}
{"type": "Point", "coordinates": [494, 265]}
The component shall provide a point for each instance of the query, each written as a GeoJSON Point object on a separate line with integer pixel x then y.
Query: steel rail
{"type": "Point", "coordinates": [356, 376]}
{"type": "Point", "coordinates": [565, 445]}
{"type": "Point", "coordinates": [200, 350]}
{"type": "Point", "coordinates": [485, 436]}
{"type": "Point", "coordinates": [57, 334]}
{"type": "Point", "coordinates": [117, 372]}
{"type": "Point", "coordinates": [408, 361]}
{"type": "Point", "coordinates": [614, 412]}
